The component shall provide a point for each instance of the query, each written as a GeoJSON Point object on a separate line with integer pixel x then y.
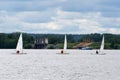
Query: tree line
{"type": "Point", "coordinates": [9, 40]}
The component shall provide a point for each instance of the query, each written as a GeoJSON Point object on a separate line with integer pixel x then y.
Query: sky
{"type": "Point", "coordinates": [60, 16]}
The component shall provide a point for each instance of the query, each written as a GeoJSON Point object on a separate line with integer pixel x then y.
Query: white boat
{"type": "Point", "coordinates": [64, 51]}
{"type": "Point", "coordinates": [101, 50]}
{"type": "Point", "coordinates": [19, 47]}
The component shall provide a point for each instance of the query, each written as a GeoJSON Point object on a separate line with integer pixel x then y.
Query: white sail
{"type": "Point", "coordinates": [102, 46]}
{"type": "Point", "coordinates": [65, 47]}
{"type": "Point", "coordinates": [65, 43]}
{"type": "Point", "coordinates": [19, 48]}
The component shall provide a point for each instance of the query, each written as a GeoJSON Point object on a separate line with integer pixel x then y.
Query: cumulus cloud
{"type": "Point", "coordinates": [60, 16]}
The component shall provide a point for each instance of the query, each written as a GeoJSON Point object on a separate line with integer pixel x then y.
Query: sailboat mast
{"type": "Point", "coordinates": [21, 43]}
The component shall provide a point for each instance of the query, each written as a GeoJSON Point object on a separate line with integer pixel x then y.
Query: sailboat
{"type": "Point", "coordinates": [64, 51]}
{"type": "Point", "coordinates": [19, 47]}
{"type": "Point", "coordinates": [101, 51]}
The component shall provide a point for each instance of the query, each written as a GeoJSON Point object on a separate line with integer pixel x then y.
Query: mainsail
{"type": "Point", "coordinates": [102, 46]}
{"type": "Point", "coordinates": [65, 43]}
{"type": "Point", "coordinates": [65, 46]}
{"type": "Point", "coordinates": [19, 48]}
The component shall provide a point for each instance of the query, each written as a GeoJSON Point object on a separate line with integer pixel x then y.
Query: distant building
{"type": "Point", "coordinates": [40, 43]}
